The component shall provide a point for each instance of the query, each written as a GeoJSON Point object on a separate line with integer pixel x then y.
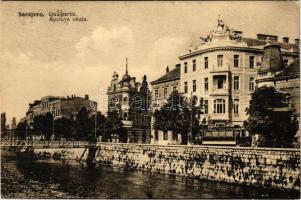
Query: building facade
{"type": "Point", "coordinates": [131, 100]}
{"type": "Point", "coordinates": [222, 69]}
{"type": "Point", "coordinates": [284, 78]}
{"type": "Point", "coordinates": [161, 90]}
{"type": "Point", "coordinates": [60, 106]}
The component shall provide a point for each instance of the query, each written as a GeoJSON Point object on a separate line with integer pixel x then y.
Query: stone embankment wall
{"type": "Point", "coordinates": [277, 168]}
{"type": "Point", "coordinates": [78, 154]}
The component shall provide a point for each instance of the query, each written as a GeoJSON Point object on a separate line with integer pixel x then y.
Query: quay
{"type": "Point", "coordinates": [265, 167]}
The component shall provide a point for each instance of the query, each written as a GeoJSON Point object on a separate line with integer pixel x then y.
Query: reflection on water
{"type": "Point", "coordinates": [70, 180]}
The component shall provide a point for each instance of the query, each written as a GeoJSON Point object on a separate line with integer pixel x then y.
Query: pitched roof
{"type": "Point", "coordinates": [291, 70]}
{"type": "Point", "coordinates": [170, 76]}
{"type": "Point", "coordinates": [256, 42]}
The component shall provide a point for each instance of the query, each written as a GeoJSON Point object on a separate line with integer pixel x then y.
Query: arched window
{"type": "Point", "coordinates": [125, 100]}
{"type": "Point", "coordinates": [219, 106]}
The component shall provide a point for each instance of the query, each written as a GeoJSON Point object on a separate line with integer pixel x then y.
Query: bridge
{"type": "Point", "coordinates": [38, 143]}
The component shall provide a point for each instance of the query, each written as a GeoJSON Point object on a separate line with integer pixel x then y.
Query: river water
{"type": "Point", "coordinates": [22, 177]}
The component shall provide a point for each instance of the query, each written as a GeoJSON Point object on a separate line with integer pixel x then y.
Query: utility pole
{"type": "Point", "coordinates": [190, 132]}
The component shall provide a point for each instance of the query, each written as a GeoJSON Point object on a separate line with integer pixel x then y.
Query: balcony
{"type": "Point", "coordinates": [221, 92]}
{"type": "Point", "coordinates": [127, 123]}
{"type": "Point", "coordinates": [220, 116]}
{"type": "Point", "coordinates": [220, 69]}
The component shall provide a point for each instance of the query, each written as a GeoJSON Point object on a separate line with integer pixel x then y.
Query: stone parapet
{"type": "Point", "coordinates": [268, 167]}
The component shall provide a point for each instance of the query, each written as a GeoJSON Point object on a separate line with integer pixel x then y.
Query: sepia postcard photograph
{"type": "Point", "coordinates": [150, 99]}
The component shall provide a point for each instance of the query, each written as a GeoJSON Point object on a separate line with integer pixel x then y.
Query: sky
{"type": "Point", "coordinates": [40, 58]}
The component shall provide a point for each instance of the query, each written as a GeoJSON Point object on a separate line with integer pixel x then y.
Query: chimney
{"type": "Point", "coordinates": [264, 37]}
{"type": "Point", "coordinates": [86, 96]}
{"type": "Point", "coordinates": [285, 39]}
{"type": "Point", "coordinates": [167, 69]}
{"type": "Point", "coordinates": [297, 41]}
{"type": "Point", "coordinates": [272, 59]}
{"type": "Point", "coordinates": [261, 36]}
{"type": "Point", "coordinates": [273, 38]}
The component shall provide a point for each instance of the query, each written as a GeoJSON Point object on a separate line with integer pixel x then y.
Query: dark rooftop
{"type": "Point", "coordinates": [291, 70]}
{"type": "Point", "coordinates": [170, 76]}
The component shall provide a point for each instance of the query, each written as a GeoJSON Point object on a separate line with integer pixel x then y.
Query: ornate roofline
{"type": "Point", "coordinates": [226, 48]}
{"type": "Point", "coordinates": [164, 81]}
{"type": "Point", "coordinates": [248, 49]}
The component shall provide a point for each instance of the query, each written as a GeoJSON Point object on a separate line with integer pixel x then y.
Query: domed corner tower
{"type": "Point", "coordinates": [129, 98]}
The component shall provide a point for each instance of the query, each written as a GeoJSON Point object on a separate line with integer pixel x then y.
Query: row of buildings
{"type": "Point", "coordinates": [59, 107]}
{"type": "Point", "coordinates": [223, 69]}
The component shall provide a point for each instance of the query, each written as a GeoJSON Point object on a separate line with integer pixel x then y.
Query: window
{"type": "Point", "coordinates": [285, 61]}
{"type": "Point", "coordinates": [236, 82]}
{"type": "Point", "coordinates": [185, 67]}
{"type": "Point", "coordinates": [236, 60]}
{"type": "Point", "coordinates": [156, 135]}
{"type": "Point", "coordinates": [156, 94]}
{"type": "Point", "coordinates": [251, 83]}
{"type": "Point", "coordinates": [174, 88]}
{"type": "Point", "coordinates": [251, 62]}
{"type": "Point", "coordinates": [185, 87]}
{"type": "Point", "coordinates": [220, 60]}
{"type": "Point", "coordinates": [219, 106]}
{"type": "Point", "coordinates": [206, 106]}
{"type": "Point", "coordinates": [165, 93]}
{"type": "Point", "coordinates": [125, 101]}
{"type": "Point", "coordinates": [194, 85]}
{"type": "Point", "coordinates": [235, 107]}
{"type": "Point", "coordinates": [206, 86]}
{"type": "Point", "coordinates": [193, 65]}
{"type": "Point", "coordinates": [206, 62]}
{"type": "Point", "coordinates": [220, 83]}
{"type": "Point", "coordinates": [165, 135]}
{"type": "Point", "coordinates": [125, 115]}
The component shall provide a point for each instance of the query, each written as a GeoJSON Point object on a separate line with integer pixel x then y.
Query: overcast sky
{"type": "Point", "coordinates": [40, 58]}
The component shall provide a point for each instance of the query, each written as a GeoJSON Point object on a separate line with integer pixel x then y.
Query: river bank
{"type": "Point", "coordinates": [261, 167]}
{"type": "Point", "coordinates": [35, 178]}
{"type": "Point", "coordinates": [14, 184]}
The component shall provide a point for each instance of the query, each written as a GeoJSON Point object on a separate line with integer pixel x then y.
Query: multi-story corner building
{"type": "Point", "coordinates": [60, 106]}
{"type": "Point", "coordinates": [161, 90]}
{"type": "Point", "coordinates": [222, 69]}
{"type": "Point", "coordinates": [131, 100]}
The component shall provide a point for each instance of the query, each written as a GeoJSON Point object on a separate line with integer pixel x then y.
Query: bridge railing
{"type": "Point", "coordinates": [17, 142]}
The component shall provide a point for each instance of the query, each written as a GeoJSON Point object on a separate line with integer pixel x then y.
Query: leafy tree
{"type": "Point", "coordinates": [63, 127]}
{"type": "Point", "coordinates": [48, 125]}
{"type": "Point", "coordinates": [37, 125]}
{"type": "Point", "coordinates": [179, 115]}
{"type": "Point", "coordinates": [100, 124]}
{"type": "Point", "coordinates": [83, 125]}
{"type": "Point", "coordinates": [43, 125]}
{"type": "Point", "coordinates": [21, 131]}
{"type": "Point", "coordinates": [113, 125]}
{"type": "Point", "coordinates": [271, 118]}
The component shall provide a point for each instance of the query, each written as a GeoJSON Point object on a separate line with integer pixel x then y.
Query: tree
{"type": "Point", "coordinates": [113, 125]}
{"type": "Point", "coordinates": [43, 125]}
{"type": "Point", "coordinates": [83, 125]}
{"type": "Point", "coordinates": [21, 130]}
{"type": "Point", "coordinates": [63, 127]}
{"type": "Point", "coordinates": [100, 124]}
{"type": "Point", "coordinates": [271, 118]}
{"type": "Point", "coordinates": [179, 115]}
